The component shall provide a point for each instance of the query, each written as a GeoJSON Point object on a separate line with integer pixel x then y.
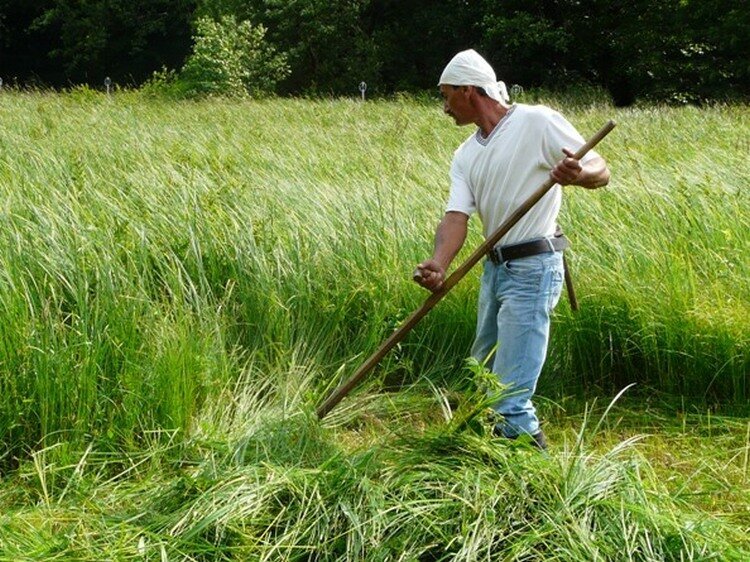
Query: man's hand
{"type": "Point", "coordinates": [449, 237]}
{"type": "Point", "coordinates": [567, 170]}
{"type": "Point", "coordinates": [430, 275]}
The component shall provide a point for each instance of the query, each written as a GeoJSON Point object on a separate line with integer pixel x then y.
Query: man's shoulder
{"type": "Point", "coordinates": [538, 120]}
{"type": "Point", "coordinates": [534, 112]}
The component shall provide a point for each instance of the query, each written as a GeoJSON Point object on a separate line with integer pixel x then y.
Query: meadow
{"type": "Point", "coordinates": [181, 283]}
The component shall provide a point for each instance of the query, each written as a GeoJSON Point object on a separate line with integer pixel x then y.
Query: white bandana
{"type": "Point", "coordinates": [468, 68]}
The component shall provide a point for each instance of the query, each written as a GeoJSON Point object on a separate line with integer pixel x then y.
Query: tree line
{"type": "Point", "coordinates": [665, 50]}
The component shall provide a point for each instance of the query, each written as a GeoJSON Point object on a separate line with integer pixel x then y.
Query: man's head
{"type": "Point", "coordinates": [468, 68]}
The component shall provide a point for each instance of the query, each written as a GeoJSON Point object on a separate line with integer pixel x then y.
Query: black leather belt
{"type": "Point", "coordinates": [525, 249]}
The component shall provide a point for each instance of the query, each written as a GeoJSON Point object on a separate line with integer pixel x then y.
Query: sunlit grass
{"type": "Point", "coordinates": [181, 284]}
{"type": "Point", "coordinates": [278, 485]}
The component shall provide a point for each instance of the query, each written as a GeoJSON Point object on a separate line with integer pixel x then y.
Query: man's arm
{"type": "Point", "coordinates": [591, 175]}
{"type": "Point", "coordinates": [449, 238]}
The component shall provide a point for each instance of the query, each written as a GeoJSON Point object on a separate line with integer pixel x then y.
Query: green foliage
{"type": "Point", "coordinates": [678, 51]}
{"type": "Point", "coordinates": [527, 43]}
{"type": "Point", "coordinates": [126, 40]}
{"type": "Point", "coordinates": [328, 42]}
{"type": "Point", "coordinates": [165, 83]}
{"type": "Point", "coordinates": [713, 53]}
{"type": "Point", "coordinates": [416, 38]}
{"type": "Point", "coordinates": [232, 58]}
{"type": "Point", "coordinates": [672, 51]}
{"type": "Point", "coordinates": [556, 44]}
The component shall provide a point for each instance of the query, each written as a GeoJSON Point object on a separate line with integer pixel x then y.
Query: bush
{"type": "Point", "coordinates": [232, 58]}
{"type": "Point", "coordinates": [167, 83]}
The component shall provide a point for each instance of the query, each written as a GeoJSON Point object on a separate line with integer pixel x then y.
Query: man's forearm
{"type": "Point", "coordinates": [449, 238]}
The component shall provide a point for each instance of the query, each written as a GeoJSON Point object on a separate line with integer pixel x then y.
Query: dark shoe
{"type": "Point", "coordinates": [540, 441]}
{"type": "Point", "coordinates": [537, 440]}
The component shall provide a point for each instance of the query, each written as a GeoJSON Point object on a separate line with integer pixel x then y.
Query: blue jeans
{"type": "Point", "coordinates": [515, 302]}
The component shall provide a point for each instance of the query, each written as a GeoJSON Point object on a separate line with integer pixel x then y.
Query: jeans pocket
{"type": "Point", "coordinates": [528, 271]}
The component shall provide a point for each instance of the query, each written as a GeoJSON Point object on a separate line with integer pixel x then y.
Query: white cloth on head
{"type": "Point", "coordinates": [468, 68]}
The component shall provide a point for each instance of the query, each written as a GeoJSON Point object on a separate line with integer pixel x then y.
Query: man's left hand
{"type": "Point", "coordinates": [567, 170]}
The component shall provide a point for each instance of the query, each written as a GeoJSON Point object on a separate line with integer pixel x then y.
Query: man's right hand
{"type": "Point", "coordinates": [430, 275]}
{"type": "Point", "coordinates": [449, 237]}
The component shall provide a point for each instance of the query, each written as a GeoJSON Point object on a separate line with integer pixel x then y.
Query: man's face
{"type": "Point", "coordinates": [456, 103]}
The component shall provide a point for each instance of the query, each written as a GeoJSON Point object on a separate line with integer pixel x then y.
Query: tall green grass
{"type": "Point", "coordinates": [180, 284]}
{"type": "Point", "coordinates": [662, 257]}
{"type": "Point", "coordinates": [150, 249]}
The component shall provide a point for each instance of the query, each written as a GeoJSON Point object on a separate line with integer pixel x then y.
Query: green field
{"type": "Point", "coordinates": [182, 283]}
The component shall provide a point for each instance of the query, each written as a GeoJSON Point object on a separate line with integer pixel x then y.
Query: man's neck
{"type": "Point", "coordinates": [490, 117]}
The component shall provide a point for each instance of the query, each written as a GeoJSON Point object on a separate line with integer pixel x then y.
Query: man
{"type": "Point", "coordinates": [515, 149]}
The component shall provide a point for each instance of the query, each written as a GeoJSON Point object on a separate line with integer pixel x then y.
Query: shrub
{"type": "Point", "coordinates": [165, 83]}
{"type": "Point", "coordinates": [232, 58]}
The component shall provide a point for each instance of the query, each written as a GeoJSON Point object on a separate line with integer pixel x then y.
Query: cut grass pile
{"type": "Point", "coordinates": [383, 479]}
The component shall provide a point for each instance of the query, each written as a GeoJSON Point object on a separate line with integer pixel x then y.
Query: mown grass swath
{"type": "Point", "coordinates": [279, 485]}
{"type": "Point", "coordinates": [180, 283]}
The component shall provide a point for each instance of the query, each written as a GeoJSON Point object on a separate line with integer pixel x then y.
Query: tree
{"type": "Point", "coordinates": [632, 48]}
{"type": "Point", "coordinates": [415, 39]}
{"type": "Point", "coordinates": [715, 58]}
{"type": "Point", "coordinates": [529, 42]}
{"type": "Point", "coordinates": [23, 48]}
{"type": "Point", "coordinates": [676, 50]}
{"type": "Point", "coordinates": [328, 47]}
{"type": "Point", "coordinates": [125, 39]}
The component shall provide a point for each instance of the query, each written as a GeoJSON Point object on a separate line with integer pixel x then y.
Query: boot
{"type": "Point", "coordinates": [538, 440]}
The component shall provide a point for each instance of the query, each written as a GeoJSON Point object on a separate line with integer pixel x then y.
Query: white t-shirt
{"type": "Point", "coordinates": [493, 176]}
